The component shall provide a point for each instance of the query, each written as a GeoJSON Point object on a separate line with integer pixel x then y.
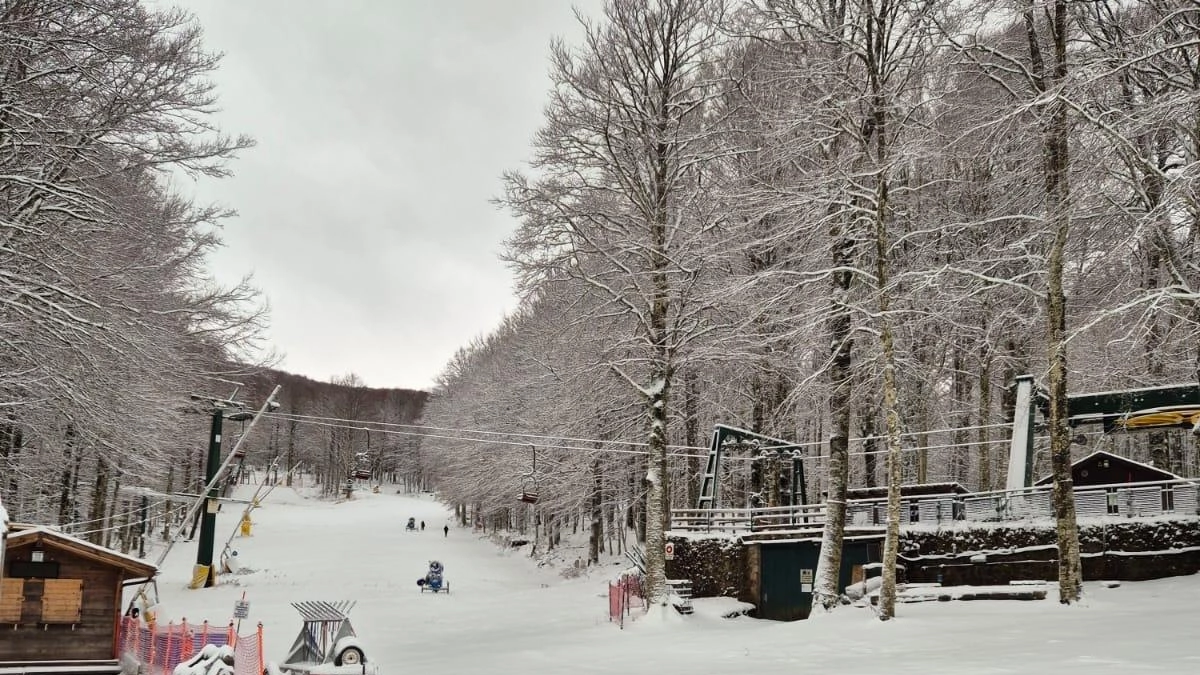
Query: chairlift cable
{"type": "Point", "coordinates": [513, 434]}
{"type": "Point", "coordinates": [584, 449]}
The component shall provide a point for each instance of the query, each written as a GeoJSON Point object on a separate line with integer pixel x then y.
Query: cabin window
{"type": "Point", "coordinates": [914, 512]}
{"type": "Point", "coordinates": [1168, 498]}
{"type": "Point", "coordinates": [28, 569]}
{"type": "Point", "coordinates": [959, 509]}
{"type": "Point", "coordinates": [1114, 506]}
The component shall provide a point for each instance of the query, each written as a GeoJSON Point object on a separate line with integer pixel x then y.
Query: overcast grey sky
{"type": "Point", "coordinates": [382, 129]}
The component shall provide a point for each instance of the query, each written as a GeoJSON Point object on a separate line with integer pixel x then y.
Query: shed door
{"type": "Point", "coordinates": [788, 571]}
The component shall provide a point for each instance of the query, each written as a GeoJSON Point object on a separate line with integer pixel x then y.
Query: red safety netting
{"type": "Point", "coordinates": [624, 595]}
{"type": "Point", "coordinates": [248, 654]}
{"type": "Point", "coordinates": [158, 648]}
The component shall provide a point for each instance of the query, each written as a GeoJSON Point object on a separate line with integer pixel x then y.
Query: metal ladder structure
{"type": "Point", "coordinates": [723, 434]}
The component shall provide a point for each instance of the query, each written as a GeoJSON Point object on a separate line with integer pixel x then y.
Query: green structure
{"type": "Point", "coordinates": [725, 436]}
{"type": "Point", "coordinates": [787, 571]}
{"type": "Point", "coordinates": [1128, 409]}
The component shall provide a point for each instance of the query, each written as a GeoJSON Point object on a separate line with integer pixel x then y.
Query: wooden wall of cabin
{"type": "Point", "coordinates": [93, 637]}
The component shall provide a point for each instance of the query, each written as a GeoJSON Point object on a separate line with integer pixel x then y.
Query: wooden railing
{"type": "Point", "coordinates": [1177, 498]}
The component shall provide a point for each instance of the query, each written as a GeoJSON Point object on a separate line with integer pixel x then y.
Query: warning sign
{"type": "Point", "coordinates": [241, 609]}
{"type": "Point", "coordinates": [806, 580]}
{"type": "Point", "coordinates": [669, 549]}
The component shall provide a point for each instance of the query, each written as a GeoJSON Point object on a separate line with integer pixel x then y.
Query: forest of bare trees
{"type": "Point", "coordinates": [109, 321]}
{"type": "Point", "coordinates": [847, 223]}
{"type": "Point", "coordinates": [108, 318]}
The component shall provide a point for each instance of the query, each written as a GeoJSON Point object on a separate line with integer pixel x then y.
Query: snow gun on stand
{"type": "Point", "coordinates": [433, 580]}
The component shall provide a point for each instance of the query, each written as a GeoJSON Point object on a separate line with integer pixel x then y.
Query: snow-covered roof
{"type": "Point", "coordinates": [27, 534]}
{"type": "Point", "coordinates": [1122, 392]}
{"type": "Point", "coordinates": [912, 489]}
{"type": "Point", "coordinates": [1166, 475]}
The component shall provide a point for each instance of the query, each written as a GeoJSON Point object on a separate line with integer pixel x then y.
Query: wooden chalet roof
{"type": "Point", "coordinates": [20, 535]}
{"type": "Point", "coordinates": [1098, 455]}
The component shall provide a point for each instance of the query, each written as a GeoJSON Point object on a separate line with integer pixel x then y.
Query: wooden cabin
{"type": "Point", "coordinates": [1105, 468]}
{"type": "Point", "coordinates": [60, 601]}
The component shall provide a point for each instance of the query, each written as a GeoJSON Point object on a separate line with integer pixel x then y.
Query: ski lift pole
{"type": "Point", "coordinates": [218, 476]}
{"type": "Point", "coordinates": [216, 479]}
{"type": "Point", "coordinates": [255, 501]}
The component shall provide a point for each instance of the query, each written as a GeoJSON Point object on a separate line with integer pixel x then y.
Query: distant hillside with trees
{"type": "Point", "coordinates": [329, 429]}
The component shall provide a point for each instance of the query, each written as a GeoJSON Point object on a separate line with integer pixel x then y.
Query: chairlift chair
{"type": "Point", "coordinates": [529, 491]}
{"type": "Point", "coordinates": [529, 486]}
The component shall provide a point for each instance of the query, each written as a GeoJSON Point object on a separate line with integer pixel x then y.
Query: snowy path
{"type": "Point", "coordinates": [504, 615]}
{"type": "Point", "coordinates": [305, 549]}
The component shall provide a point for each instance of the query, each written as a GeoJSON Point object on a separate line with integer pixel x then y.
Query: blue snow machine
{"type": "Point", "coordinates": [433, 581]}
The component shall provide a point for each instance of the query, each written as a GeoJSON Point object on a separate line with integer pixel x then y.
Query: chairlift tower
{"type": "Point", "coordinates": [724, 435]}
{"type": "Point", "coordinates": [221, 408]}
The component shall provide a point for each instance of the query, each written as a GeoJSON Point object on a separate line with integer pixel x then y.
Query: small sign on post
{"type": "Point", "coordinates": [241, 609]}
{"type": "Point", "coordinates": [669, 549]}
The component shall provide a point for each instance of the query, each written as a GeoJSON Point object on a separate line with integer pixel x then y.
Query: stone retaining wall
{"type": "Point", "coordinates": [977, 556]}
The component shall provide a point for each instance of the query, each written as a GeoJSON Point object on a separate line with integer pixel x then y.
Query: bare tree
{"type": "Point", "coordinates": [613, 207]}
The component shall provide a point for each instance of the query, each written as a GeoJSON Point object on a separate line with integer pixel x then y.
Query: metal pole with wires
{"type": "Point", "coordinates": [207, 491]}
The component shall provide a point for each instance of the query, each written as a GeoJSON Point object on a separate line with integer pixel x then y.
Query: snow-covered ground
{"type": "Point", "coordinates": [506, 615]}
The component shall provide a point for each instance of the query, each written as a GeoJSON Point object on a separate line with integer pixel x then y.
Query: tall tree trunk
{"type": "Point", "coordinates": [923, 443]}
{"type": "Point", "coordinates": [869, 447]}
{"type": "Point", "coordinates": [825, 588]}
{"type": "Point", "coordinates": [962, 417]}
{"type": "Point", "coordinates": [1160, 455]}
{"type": "Point", "coordinates": [595, 539]}
{"type": "Point", "coordinates": [891, 546]}
{"type": "Point", "coordinates": [691, 433]}
{"type": "Point", "coordinates": [65, 497]}
{"type": "Point", "coordinates": [1058, 196]}
{"type": "Point", "coordinates": [291, 450]}
{"type": "Point", "coordinates": [11, 442]}
{"type": "Point", "coordinates": [99, 509]}
{"type": "Point", "coordinates": [891, 542]}
{"type": "Point", "coordinates": [110, 528]}
{"type": "Point", "coordinates": [984, 434]}
{"type": "Point", "coordinates": [656, 507]}
{"type": "Point", "coordinates": [169, 508]}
